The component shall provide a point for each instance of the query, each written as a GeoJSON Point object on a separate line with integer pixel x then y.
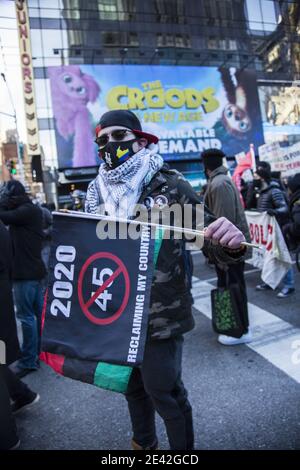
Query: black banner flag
{"type": "Point", "coordinates": [98, 297]}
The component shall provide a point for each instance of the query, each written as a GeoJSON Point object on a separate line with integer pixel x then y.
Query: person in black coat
{"type": "Point", "coordinates": [11, 387]}
{"type": "Point", "coordinates": [25, 227]}
{"type": "Point", "coordinates": [265, 194]}
{"type": "Point", "coordinates": [8, 331]}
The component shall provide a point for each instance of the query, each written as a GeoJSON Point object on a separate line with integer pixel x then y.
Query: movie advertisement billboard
{"type": "Point", "coordinates": [188, 108]}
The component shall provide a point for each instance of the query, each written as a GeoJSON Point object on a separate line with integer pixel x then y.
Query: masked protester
{"type": "Point", "coordinates": [25, 222]}
{"type": "Point", "coordinates": [134, 173]}
{"type": "Point", "coordinates": [265, 194]}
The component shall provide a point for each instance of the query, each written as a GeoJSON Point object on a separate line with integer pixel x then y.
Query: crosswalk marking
{"type": "Point", "coordinates": [273, 338]}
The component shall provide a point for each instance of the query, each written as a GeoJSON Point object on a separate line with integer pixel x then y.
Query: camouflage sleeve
{"type": "Point", "coordinates": [202, 217]}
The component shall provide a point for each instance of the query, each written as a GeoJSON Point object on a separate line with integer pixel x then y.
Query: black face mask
{"type": "Point", "coordinates": [257, 183]}
{"type": "Point", "coordinates": [116, 153]}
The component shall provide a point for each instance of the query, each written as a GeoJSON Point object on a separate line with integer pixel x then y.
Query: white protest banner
{"type": "Point", "coordinates": [284, 159]}
{"type": "Point", "coordinates": [291, 159]}
{"type": "Point", "coordinates": [273, 257]}
{"type": "Point", "coordinates": [272, 153]}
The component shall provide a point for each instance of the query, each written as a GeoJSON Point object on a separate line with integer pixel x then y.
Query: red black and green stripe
{"type": "Point", "coordinates": [103, 375]}
{"type": "Point", "coordinates": [108, 376]}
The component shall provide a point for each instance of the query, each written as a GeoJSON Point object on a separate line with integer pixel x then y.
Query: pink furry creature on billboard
{"type": "Point", "coordinates": [71, 92]}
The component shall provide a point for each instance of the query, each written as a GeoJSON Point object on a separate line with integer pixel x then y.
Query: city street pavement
{"type": "Point", "coordinates": [243, 397]}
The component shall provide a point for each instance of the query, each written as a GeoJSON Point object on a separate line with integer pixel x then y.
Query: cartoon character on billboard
{"type": "Point", "coordinates": [71, 91]}
{"type": "Point", "coordinates": [236, 116]}
{"type": "Point", "coordinates": [240, 121]}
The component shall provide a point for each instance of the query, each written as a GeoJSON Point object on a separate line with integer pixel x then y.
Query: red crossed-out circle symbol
{"type": "Point", "coordinates": [85, 305]}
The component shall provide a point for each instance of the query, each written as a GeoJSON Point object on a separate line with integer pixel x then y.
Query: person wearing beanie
{"type": "Point", "coordinates": [264, 171]}
{"type": "Point", "coordinates": [265, 194]}
{"type": "Point", "coordinates": [262, 181]}
{"type": "Point", "coordinates": [133, 173]}
{"type": "Point", "coordinates": [291, 230]}
{"type": "Point", "coordinates": [25, 228]}
{"type": "Point", "coordinates": [212, 159]}
{"type": "Point", "coordinates": [223, 200]}
{"type": "Point", "coordinates": [268, 197]}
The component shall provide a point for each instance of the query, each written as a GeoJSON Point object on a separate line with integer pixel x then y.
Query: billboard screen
{"type": "Point", "coordinates": [280, 108]}
{"type": "Point", "coordinates": [188, 108]}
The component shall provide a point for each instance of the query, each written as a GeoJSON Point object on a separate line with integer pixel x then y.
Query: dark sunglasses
{"type": "Point", "coordinates": [117, 135]}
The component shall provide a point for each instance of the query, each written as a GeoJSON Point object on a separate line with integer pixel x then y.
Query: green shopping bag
{"type": "Point", "coordinates": [226, 306]}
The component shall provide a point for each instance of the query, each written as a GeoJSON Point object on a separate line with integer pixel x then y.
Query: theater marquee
{"type": "Point", "coordinates": [27, 77]}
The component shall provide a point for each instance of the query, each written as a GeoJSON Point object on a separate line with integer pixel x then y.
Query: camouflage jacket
{"type": "Point", "coordinates": [171, 300]}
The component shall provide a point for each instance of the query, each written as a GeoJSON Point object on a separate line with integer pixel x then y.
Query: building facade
{"type": "Point", "coordinates": [247, 34]}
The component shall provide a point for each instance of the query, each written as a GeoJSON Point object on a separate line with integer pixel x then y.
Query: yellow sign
{"type": "Point", "coordinates": [27, 77]}
{"type": "Point", "coordinates": [154, 96]}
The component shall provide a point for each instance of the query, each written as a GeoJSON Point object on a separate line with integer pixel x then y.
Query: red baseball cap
{"type": "Point", "coordinates": [124, 118]}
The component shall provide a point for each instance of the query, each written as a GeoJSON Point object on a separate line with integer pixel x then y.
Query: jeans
{"type": "Point", "coordinates": [157, 386]}
{"type": "Point", "coordinates": [28, 299]}
{"type": "Point", "coordinates": [289, 279]}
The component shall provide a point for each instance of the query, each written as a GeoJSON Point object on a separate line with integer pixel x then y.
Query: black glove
{"type": "Point", "coordinates": [271, 212]}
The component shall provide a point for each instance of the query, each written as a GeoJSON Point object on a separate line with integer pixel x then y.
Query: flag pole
{"type": "Point", "coordinates": [187, 231]}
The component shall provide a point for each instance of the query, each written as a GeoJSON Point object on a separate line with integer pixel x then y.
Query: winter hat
{"type": "Point", "coordinates": [212, 158]}
{"type": "Point", "coordinates": [264, 170]}
{"type": "Point", "coordinates": [294, 183]}
{"type": "Point", "coordinates": [12, 194]}
{"type": "Point", "coordinates": [14, 188]}
{"type": "Point", "coordinates": [124, 118]}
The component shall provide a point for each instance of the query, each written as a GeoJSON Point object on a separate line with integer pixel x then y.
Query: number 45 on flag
{"type": "Point", "coordinates": [98, 280]}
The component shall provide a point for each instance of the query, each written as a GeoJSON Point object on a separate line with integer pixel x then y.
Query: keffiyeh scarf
{"type": "Point", "coordinates": [121, 187]}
